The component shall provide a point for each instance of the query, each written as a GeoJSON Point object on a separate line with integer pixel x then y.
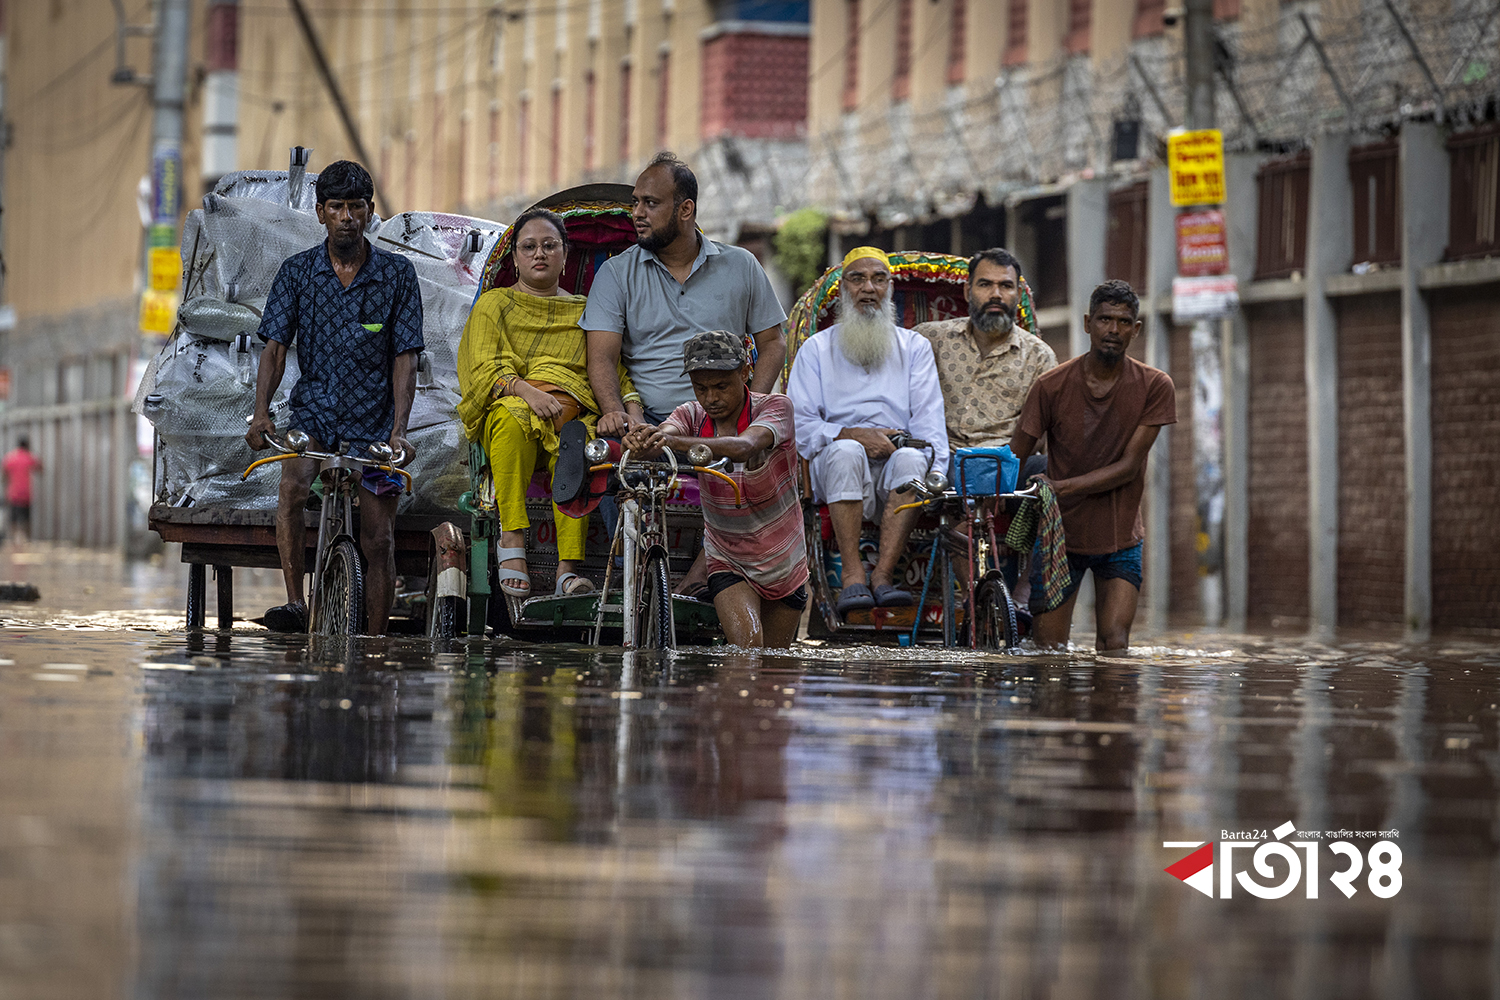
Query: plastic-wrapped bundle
{"type": "Point", "coordinates": [200, 392]}
{"type": "Point", "coordinates": [448, 262]}
{"type": "Point", "coordinates": [438, 476]}
{"type": "Point", "coordinates": [215, 319]}
{"type": "Point", "coordinates": [269, 185]}
{"type": "Point", "coordinates": [233, 247]}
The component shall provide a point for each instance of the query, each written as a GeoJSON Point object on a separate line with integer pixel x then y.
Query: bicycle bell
{"type": "Point", "coordinates": [700, 454]}
{"type": "Point", "coordinates": [935, 482]}
{"type": "Point", "coordinates": [297, 440]}
{"type": "Point", "coordinates": [596, 451]}
{"type": "Point", "coordinates": [381, 450]}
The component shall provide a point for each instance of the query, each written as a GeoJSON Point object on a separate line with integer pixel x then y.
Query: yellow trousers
{"type": "Point", "coordinates": [513, 448]}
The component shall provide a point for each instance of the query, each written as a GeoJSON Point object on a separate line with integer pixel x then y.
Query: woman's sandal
{"type": "Point", "coordinates": [520, 591]}
{"type": "Point", "coordinates": [573, 585]}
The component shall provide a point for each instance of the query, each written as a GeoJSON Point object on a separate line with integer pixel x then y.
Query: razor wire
{"type": "Point", "coordinates": [1277, 86]}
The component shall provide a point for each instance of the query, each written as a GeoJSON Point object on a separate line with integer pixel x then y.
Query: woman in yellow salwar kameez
{"type": "Point", "coordinates": [523, 372]}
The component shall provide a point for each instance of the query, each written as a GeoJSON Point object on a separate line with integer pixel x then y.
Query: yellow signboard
{"type": "Point", "coordinates": [1195, 162]}
{"type": "Point", "coordinates": [158, 311]}
{"type": "Point", "coordinates": [166, 269]}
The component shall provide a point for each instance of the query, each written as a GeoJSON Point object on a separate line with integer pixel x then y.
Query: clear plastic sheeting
{"type": "Point", "coordinates": [199, 390]}
{"type": "Point", "coordinates": [269, 185]}
{"type": "Point", "coordinates": [233, 247]}
{"type": "Point", "coordinates": [448, 267]}
{"type": "Point", "coordinates": [206, 316]}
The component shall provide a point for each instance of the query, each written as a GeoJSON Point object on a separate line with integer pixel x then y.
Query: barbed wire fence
{"type": "Point", "coordinates": [1277, 87]}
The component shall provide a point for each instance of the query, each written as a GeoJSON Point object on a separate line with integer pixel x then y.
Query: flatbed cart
{"type": "Point", "coordinates": [222, 538]}
{"type": "Point", "coordinates": [926, 287]}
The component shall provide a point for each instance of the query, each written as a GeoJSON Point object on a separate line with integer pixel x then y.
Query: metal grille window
{"type": "Point", "coordinates": [625, 112]}
{"type": "Point", "coordinates": [1080, 14]}
{"type": "Point", "coordinates": [901, 82]}
{"type": "Point", "coordinates": [1125, 247]}
{"type": "Point", "coordinates": [851, 57]}
{"type": "Point", "coordinates": [1281, 243]}
{"type": "Point", "coordinates": [1048, 220]}
{"type": "Point", "coordinates": [957, 42]}
{"type": "Point", "coordinates": [1474, 194]}
{"type": "Point", "coordinates": [1015, 33]}
{"type": "Point", "coordinates": [1148, 20]}
{"type": "Point", "coordinates": [663, 97]}
{"type": "Point", "coordinates": [1375, 177]}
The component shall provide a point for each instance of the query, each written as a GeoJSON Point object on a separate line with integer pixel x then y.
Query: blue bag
{"type": "Point", "coordinates": [979, 471]}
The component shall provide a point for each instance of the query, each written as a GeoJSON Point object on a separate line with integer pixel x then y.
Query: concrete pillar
{"type": "Point", "coordinates": [1161, 266]}
{"type": "Point", "coordinates": [1241, 213]}
{"type": "Point", "coordinates": [1088, 229]}
{"type": "Point", "coordinates": [1424, 234]}
{"type": "Point", "coordinates": [1330, 229]}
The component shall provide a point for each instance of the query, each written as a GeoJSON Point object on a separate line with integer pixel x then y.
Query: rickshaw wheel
{"type": "Point", "coordinates": [341, 601]}
{"type": "Point", "coordinates": [655, 628]}
{"type": "Point", "coordinates": [995, 617]}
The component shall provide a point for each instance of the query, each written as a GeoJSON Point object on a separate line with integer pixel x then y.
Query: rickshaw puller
{"type": "Point", "coordinates": [756, 553]}
{"type": "Point", "coordinates": [1100, 413]}
{"type": "Point", "coordinates": [354, 312]}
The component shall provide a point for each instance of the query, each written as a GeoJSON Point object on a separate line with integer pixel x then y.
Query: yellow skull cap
{"type": "Point", "coordinates": [859, 253]}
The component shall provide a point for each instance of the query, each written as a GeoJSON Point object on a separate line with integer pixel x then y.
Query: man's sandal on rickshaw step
{"type": "Point", "coordinates": [513, 582]}
{"type": "Point", "coordinates": [890, 596]}
{"type": "Point", "coordinates": [854, 597]}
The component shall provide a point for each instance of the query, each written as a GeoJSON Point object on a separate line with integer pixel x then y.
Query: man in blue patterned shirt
{"type": "Point", "coordinates": [354, 312]}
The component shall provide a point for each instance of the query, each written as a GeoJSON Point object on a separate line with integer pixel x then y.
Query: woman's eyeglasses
{"type": "Point", "coordinates": [530, 247]}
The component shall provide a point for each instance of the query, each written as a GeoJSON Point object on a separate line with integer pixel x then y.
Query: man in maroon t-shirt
{"type": "Point", "coordinates": [1100, 413]}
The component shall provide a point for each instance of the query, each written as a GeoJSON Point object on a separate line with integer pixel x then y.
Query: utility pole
{"type": "Point", "coordinates": [6, 318]}
{"type": "Point", "coordinates": [1198, 48]}
{"type": "Point", "coordinates": [168, 95]}
{"type": "Point", "coordinates": [1208, 370]}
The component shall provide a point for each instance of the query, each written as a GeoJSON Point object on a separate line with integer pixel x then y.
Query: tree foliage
{"type": "Point", "coordinates": [802, 247]}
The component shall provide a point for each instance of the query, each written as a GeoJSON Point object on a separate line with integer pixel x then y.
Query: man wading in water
{"type": "Point", "coordinates": [1100, 413]}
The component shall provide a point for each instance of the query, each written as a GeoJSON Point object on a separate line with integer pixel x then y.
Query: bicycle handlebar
{"type": "Point", "coordinates": [1029, 493]}
{"type": "Point", "coordinates": [671, 467]}
{"type": "Point", "coordinates": [391, 464]}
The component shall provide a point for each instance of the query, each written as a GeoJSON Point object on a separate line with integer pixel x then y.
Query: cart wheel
{"type": "Point", "coordinates": [447, 612]}
{"type": "Point", "coordinates": [197, 594]}
{"type": "Point", "coordinates": [655, 622]}
{"type": "Point", "coordinates": [341, 597]}
{"type": "Point", "coordinates": [995, 616]}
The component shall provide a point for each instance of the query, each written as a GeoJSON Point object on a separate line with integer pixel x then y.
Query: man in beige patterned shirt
{"type": "Point", "coordinates": [985, 364]}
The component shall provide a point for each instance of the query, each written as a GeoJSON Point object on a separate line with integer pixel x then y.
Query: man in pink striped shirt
{"type": "Point", "coordinates": [757, 553]}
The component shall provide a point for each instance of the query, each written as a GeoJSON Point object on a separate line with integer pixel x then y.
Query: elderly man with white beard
{"type": "Point", "coordinates": [852, 386]}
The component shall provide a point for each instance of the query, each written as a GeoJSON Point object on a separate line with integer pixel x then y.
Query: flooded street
{"type": "Point", "coordinates": [251, 815]}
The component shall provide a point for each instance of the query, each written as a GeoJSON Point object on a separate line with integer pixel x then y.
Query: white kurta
{"type": "Point", "coordinates": [830, 393]}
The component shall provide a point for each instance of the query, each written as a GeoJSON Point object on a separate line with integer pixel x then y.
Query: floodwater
{"type": "Point", "coordinates": [244, 815]}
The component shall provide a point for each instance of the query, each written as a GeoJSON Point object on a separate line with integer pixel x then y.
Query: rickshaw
{"type": "Point", "coordinates": [925, 287]}
{"type": "Point", "coordinates": [597, 217]}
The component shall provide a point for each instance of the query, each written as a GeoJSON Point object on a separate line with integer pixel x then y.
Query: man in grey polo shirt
{"type": "Point", "coordinates": [646, 302]}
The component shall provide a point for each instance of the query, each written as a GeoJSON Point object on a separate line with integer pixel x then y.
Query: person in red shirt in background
{"type": "Point", "coordinates": [757, 553]}
{"type": "Point", "coordinates": [18, 467]}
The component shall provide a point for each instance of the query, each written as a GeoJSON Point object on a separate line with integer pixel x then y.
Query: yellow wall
{"type": "Point", "coordinates": [79, 146]}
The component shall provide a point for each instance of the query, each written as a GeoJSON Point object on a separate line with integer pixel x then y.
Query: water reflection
{"type": "Point", "coordinates": [386, 818]}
